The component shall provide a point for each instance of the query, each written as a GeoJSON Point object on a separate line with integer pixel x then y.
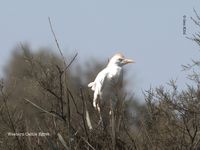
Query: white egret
{"type": "Point", "coordinates": [108, 79]}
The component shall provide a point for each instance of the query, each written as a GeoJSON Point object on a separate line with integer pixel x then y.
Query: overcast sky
{"type": "Point", "coordinates": [150, 32]}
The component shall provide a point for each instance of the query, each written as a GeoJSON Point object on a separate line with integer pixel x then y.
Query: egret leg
{"type": "Point", "coordinates": [95, 99]}
{"type": "Point", "coordinates": [100, 117]}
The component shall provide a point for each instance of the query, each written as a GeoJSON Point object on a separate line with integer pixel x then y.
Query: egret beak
{"type": "Point", "coordinates": [128, 61]}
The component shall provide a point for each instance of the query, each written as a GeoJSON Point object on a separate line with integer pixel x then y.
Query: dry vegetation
{"type": "Point", "coordinates": [40, 94]}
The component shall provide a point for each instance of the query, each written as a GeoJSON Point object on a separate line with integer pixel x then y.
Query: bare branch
{"type": "Point", "coordinates": [70, 62]}
{"type": "Point", "coordinates": [9, 115]}
{"type": "Point", "coordinates": [55, 38]}
{"type": "Point", "coordinates": [88, 143]}
{"type": "Point", "coordinates": [62, 141]}
{"type": "Point", "coordinates": [60, 51]}
{"type": "Point", "coordinates": [41, 109]}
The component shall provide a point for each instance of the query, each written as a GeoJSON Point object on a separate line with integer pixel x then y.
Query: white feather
{"type": "Point", "coordinates": [108, 78]}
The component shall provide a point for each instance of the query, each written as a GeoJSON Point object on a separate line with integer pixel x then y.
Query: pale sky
{"type": "Point", "coordinates": [150, 32]}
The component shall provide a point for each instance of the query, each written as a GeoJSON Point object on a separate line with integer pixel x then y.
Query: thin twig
{"type": "Point", "coordinates": [53, 146]}
{"type": "Point", "coordinates": [40, 108]}
{"type": "Point", "coordinates": [62, 141]}
{"type": "Point", "coordinates": [10, 119]}
{"type": "Point", "coordinates": [60, 51]}
{"type": "Point", "coordinates": [61, 91]}
{"type": "Point", "coordinates": [69, 118]}
{"type": "Point", "coordinates": [70, 62]}
{"type": "Point", "coordinates": [147, 135]}
{"type": "Point", "coordinates": [112, 122]}
{"type": "Point", "coordinates": [88, 143]}
{"type": "Point", "coordinates": [130, 137]}
{"type": "Point", "coordinates": [83, 116]}
{"type": "Point", "coordinates": [55, 38]}
{"type": "Point", "coordinates": [73, 100]}
{"type": "Point", "coordinates": [87, 116]}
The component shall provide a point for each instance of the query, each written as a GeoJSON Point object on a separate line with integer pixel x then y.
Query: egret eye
{"type": "Point", "coordinates": [120, 59]}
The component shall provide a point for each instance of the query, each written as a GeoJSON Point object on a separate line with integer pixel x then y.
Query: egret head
{"type": "Point", "coordinates": [120, 60]}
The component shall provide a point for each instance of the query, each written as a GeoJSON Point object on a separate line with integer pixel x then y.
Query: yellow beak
{"type": "Point", "coordinates": [127, 61]}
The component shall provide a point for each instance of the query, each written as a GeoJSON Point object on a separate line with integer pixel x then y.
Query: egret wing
{"type": "Point", "coordinates": [92, 85]}
{"type": "Point", "coordinates": [101, 79]}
